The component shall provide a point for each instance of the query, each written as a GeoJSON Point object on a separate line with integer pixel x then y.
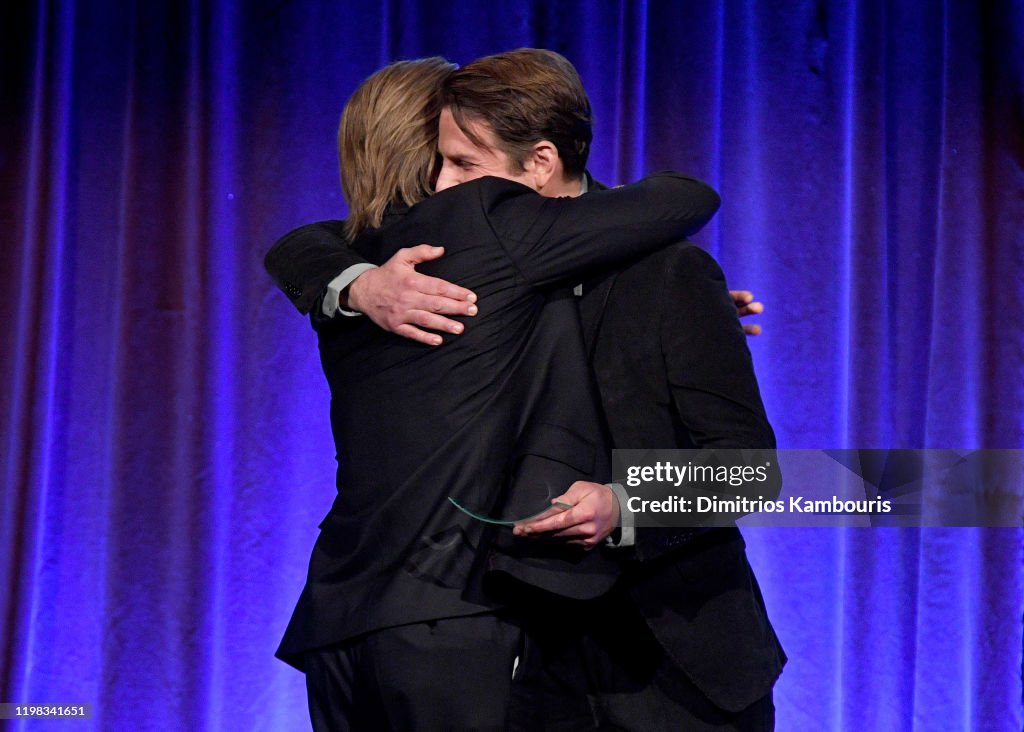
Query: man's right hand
{"type": "Point", "coordinates": [402, 301]}
{"type": "Point", "coordinates": [593, 515]}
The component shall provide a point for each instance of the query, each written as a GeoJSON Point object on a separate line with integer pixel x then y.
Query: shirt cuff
{"type": "Point", "coordinates": [333, 295]}
{"type": "Point", "coordinates": [627, 529]}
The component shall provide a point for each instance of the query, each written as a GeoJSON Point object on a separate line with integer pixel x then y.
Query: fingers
{"type": "Point", "coordinates": [741, 297]}
{"type": "Point", "coordinates": [416, 310]}
{"type": "Point", "coordinates": [421, 295]}
{"type": "Point", "coordinates": [592, 515]}
{"type": "Point", "coordinates": [403, 301]}
{"type": "Point", "coordinates": [432, 321]}
{"type": "Point", "coordinates": [448, 295]}
{"type": "Point", "coordinates": [421, 253]}
{"type": "Point", "coordinates": [583, 511]}
{"type": "Point", "coordinates": [580, 525]}
{"type": "Point", "coordinates": [432, 285]}
{"type": "Point", "coordinates": [746, 305]}
{"type": "Point", "coordinates": [548, 522]}
{"type": "Point", "coordinates": [754, 308]}
{"type": "Point", "coordinates": [566, 526]}
{"type": "Point", "coordinates": [525, 527]}
{"type": "Point", "coordinates": [445, 289]}
{"type": "Point", "coordinates": [420, 336]}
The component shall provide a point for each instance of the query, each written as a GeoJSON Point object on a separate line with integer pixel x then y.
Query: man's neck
{"type": "Point", "coordinates": [570, 187]}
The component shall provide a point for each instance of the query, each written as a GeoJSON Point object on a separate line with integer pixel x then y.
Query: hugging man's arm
{"type": "Point", "coordinates": [314, 266]}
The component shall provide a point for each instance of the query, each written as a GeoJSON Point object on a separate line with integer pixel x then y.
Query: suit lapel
{"type": "Point", "coordinates": [592, 306]}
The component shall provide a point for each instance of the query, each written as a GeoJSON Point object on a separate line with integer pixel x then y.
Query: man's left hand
{"type": "Point", "coordinates": [593, 516]}
{"type": "Point", "coordinates": [747, 305]}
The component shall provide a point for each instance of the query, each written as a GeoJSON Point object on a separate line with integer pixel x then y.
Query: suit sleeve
{"type": "Point", "coordinates": [554, 240]}
{"type": "Point", "coordinates": [707, 362]}
{"type": "Point", "coordinates": [710, 377]}
{"type": "Point", "coordinates": [303, 261]}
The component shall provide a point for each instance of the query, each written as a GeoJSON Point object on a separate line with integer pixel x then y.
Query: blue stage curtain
{"type": "Point", "coordinates": [165, 444]}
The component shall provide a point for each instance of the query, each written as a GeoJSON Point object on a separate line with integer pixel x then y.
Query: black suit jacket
{"type": "Point", "coordinates": [509, 398]}
{"type": "Point", "coordinates": [674, 371]}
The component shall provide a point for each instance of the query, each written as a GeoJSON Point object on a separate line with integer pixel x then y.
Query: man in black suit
{"type": "Point", "coordinates": [395, 627]}
{"type": "Point", "coordinates": [684, 641]}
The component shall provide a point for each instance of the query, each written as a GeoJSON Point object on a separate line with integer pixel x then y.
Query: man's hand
{"type": "Point", "coordinates": [746, 305]}
{"type": "Point", "coordinates": [594, 515]}
{"type": "Point", "coordinates": [398, 298]}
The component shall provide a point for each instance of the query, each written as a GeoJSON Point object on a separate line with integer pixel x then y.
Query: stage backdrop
{"type": "Point", "coordinates": [165, 443]}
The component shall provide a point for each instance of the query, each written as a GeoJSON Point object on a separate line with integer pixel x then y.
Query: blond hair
{"type": "Point", "coordinates": [387, 139]}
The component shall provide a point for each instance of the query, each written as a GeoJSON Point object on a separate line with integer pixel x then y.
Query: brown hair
{"type": "Point", "coordinates": [524, 96]}
{"type": "Point", "coordinates": [387, 139]}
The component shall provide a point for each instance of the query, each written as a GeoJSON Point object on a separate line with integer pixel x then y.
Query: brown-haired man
{"type": "Point", "coordinates": [684, 642]}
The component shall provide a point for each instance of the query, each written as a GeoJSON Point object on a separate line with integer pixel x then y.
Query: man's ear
{"type": "Point", "coordinates": [544, 164]}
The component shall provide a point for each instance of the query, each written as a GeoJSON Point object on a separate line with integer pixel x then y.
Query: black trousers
{"type": "Point", "coordinates": [596, 666]}
{"type": "Point", "coordinates": [450, 674]}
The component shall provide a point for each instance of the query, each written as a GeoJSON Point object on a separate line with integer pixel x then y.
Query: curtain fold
{"type": "Point", "coordinates": [166, 453]}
